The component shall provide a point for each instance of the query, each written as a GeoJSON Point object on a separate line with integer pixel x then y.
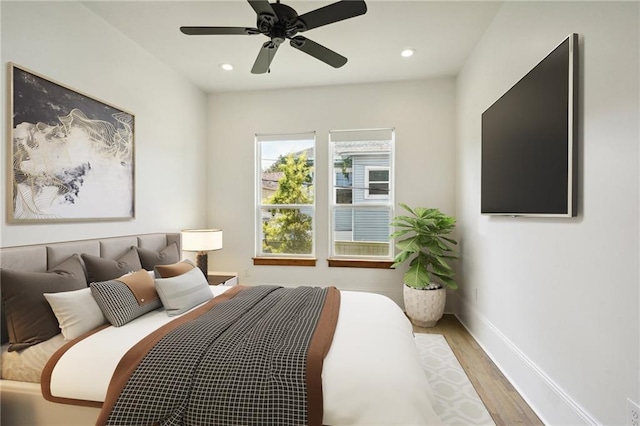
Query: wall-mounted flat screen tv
{"type": "Point", "coordinates": [529, 141]}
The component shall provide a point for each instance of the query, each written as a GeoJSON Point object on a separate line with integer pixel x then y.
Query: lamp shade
{"type": "Point", "coordinates": [201, 239]}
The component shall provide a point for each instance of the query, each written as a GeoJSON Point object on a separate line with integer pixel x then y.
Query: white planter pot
{"type": "Point", "coordinates": [424, 307]}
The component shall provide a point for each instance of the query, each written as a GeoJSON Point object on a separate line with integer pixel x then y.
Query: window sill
{"type": "Point", "coordinates": [359, 263]}
{"type": "Point", "coordinates": [333, 263]}
{"type": "Point", "coordinates": [284, 261]}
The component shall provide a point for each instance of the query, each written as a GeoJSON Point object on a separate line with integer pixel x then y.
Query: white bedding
{"type": "Point", "coordinates": [26, 365]}
{"type": "Point", "coordinates": [372, 374]}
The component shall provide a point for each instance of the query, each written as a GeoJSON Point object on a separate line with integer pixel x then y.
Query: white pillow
{"type": "Point", "coordinates": [77, 312]}
{"type": "Point", "coordinates": [183, 292]}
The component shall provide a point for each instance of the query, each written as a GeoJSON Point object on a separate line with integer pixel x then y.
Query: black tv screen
{"type": "Point", "coordinates": [529, 141]}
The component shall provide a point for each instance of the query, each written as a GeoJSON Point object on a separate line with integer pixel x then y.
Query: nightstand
{"type": "Point", "coordinates": [222, 278]}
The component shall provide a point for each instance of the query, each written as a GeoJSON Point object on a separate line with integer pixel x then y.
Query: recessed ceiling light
{"type": "Point", "coordinates": [226, 67]}
{"type": "Point", "coordinates": [407, 53]}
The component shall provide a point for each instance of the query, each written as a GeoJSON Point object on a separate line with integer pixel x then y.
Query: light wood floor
{"type": "Point", "coordinates": [503, 402]}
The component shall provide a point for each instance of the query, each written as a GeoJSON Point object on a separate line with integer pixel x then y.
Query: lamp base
{"type": "Point", "coordinates": [202, 262]}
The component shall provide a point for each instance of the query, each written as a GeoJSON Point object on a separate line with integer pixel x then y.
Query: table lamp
{"type": "Point", "coordinates": [202, 241]}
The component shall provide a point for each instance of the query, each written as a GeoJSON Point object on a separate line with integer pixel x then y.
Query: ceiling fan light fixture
{"type": "Point", "coordinates": [226, 67]}
{"type": "Point", "coordinates": [407, 53]}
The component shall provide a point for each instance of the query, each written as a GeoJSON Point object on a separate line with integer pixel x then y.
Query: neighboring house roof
{"type": "Point", "coordinates": [309, 152]}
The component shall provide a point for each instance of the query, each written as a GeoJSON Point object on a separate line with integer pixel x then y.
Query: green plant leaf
{"type": "Point", "coordinates": [426, 225]}
{"type": "Point", "coordinates": [441, 260]}
{"type": "Point", "coordinates": [409, 244]}
{"type": "Point", "coordinates": [433, 247]}
{"type": "Point", "coordinates": [451, 240]}
{"type": "Point", "coordinates": [447, 256]}
{"type": "Point", "coordinates": [421, 212]}
{"type": "Point", "coordinates": [401, 258]}
{"type": "Point", "coordinates": [442, 245]}
{"type": "Point", "coordinates": [449, 283]}
{"type": "Point", "coordinates": [417, 276]}
{"type": "Point", "coordinates": [442, 269]}
{"type": "Point", "coordinates": [407, 208]}
{"type": "Point", "coordinates": [400, 233]}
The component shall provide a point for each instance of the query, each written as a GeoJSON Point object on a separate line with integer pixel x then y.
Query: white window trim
{"type": "Point", "coordinates": [390, 200]}
{"type": "Point", "coordinates": [259, 206]}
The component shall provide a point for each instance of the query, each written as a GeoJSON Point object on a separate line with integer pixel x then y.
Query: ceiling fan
{"type": "Point", "coordinates": [280, 22]}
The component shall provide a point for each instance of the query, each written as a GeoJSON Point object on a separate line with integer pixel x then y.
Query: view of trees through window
{"type": "Point", "coordinates": [287, 194]}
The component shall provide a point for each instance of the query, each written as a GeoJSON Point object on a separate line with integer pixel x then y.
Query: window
{"type": "Point", "coordinates": [344, 190]}
{"type": "Point", "coordinates": [362, 194]}
{"type": "Point", "coordinates": [376, 183]}
{"type": "Point", "coordinates": [285, 213]}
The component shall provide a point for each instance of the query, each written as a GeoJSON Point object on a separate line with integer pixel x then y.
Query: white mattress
{"type": "Point", "coordinates": [371, 375]}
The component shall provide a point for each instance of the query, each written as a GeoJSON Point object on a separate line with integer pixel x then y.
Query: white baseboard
{"type": "Point", "coordinates": [548, 400]}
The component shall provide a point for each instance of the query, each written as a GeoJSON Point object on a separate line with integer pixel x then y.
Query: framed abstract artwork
{"type": "Point", "coordinates": [71, 156]}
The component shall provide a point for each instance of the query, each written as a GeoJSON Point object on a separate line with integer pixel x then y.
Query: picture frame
{"type": "Point", "coordinates": [70, 155]}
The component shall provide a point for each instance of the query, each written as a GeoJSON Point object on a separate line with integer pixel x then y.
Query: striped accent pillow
{"type": "Point", "coordinates": [183, 292]}
{"type": "Point", "coordinates": [118, 304]}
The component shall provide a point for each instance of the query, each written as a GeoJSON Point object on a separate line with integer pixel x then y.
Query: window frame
{"type": "Point", "coordinates": [265, 258]}
{"type": "Point", "coordinates": [335, 188]}
{"type": "Point", "coordinates": [367, 182]}
{"type": "Point", "coordinates": [387, 202]}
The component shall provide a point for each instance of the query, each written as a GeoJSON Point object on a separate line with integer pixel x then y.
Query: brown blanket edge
{"type": "Point", "coordinates": [134, 356]}
{"type": "Point", "coordinates": [318, 349]}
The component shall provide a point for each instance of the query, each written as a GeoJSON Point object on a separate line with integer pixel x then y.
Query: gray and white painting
{"type": "Point", "coordinates": [72, 155]}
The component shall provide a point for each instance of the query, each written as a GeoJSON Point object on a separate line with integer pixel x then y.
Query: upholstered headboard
{"type": "Point", "coordinates": [41, 257]}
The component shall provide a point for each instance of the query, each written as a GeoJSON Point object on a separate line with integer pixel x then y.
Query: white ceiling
{"type": "Point", "coordinates": [443, 33]}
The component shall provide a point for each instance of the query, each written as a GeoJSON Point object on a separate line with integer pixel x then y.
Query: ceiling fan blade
{"type": "Point", "coordinates": [335, 12]}
{"type": "Point", "coordinates": [318, 51]}
{"type": "Point", "coordinates": [265, 56]}
{"type": "Point", "coordinates": [219, 31]}
{"type": "Point", "coordinates": [263, 7]}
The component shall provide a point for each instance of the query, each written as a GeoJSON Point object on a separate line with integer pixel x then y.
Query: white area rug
{"type": "Point", "coordinates": [456, 401]}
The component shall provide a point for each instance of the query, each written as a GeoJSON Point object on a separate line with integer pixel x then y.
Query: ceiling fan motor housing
{"type": "Point", "coordinates": [285, 24]}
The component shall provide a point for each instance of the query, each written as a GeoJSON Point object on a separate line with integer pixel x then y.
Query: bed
{"type": "Point", "coordinates": [371, 373]}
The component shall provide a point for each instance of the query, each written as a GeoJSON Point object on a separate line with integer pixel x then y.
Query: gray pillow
{"type": "Point", "coordinates": [151, 258]}
{"type": "Point", "coordinates": [118, 302]}
{"type": "Point", "coordinates": [174, 269]}
{"type": "Point", "coordinates": [100, 269]}
{"type": "Point", "coordinates": [183, 292]}
{"type": "Point", "coordinates": [30, 319]}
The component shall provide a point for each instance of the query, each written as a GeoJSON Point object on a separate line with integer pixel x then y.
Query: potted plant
{"type": "Point", "coordinates": [428, 250]}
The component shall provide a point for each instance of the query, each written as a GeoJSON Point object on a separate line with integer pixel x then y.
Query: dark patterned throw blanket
{"type": "Point", "coordinates": [252, 356]}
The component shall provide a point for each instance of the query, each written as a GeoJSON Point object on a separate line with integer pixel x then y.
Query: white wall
{"type": "Point", "coordinates": [422, 112]}
{"type": "Point", "coordinates": [557, 299]}
{"type": "Point", "coordinates": [69, 44]}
